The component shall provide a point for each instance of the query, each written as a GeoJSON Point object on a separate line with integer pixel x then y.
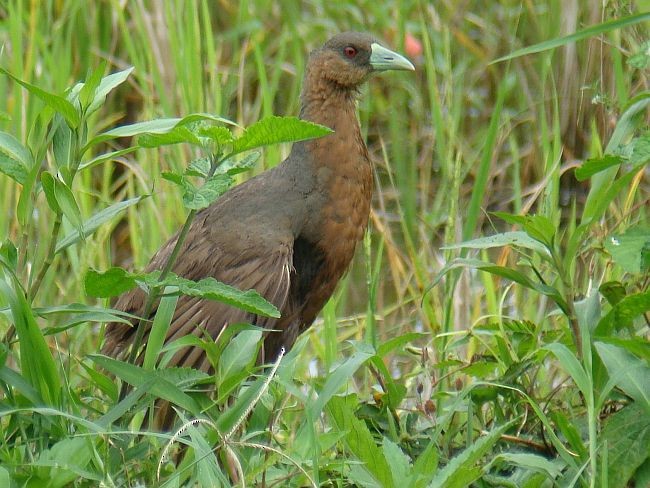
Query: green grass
{"type": "Point", "coordinates": [515, 362]}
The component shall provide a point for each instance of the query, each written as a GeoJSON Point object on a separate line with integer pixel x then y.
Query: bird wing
{"type": "Point", "coordinates": [264, 265]}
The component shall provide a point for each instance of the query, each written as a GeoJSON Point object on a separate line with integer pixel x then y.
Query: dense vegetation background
{"type": "Point", "coordinates": [518, 359]}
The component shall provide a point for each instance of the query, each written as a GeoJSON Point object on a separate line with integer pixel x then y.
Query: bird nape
{"type": "Point", "coordinates": [290, 232]}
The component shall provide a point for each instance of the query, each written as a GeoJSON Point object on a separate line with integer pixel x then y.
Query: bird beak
{"type": "Point", "coordinates": [382, 59]}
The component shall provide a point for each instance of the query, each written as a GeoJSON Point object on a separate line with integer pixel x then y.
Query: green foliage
{"type": "Point", "coordinates": [15, 159]}
{"type": "Point", "coordinates": [533, 171]}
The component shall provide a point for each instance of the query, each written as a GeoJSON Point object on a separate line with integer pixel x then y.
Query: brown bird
{"type": "Point", "coordinates": [290, 232]}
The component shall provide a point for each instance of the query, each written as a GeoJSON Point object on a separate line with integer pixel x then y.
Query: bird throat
{"type": "Point", "coordinates": [340, 167]}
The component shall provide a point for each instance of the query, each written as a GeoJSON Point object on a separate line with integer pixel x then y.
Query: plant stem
{"type": "Point", "coordinates": [155, 291]}
{"type": "Point", "coordinates": [75, 161]}
{"type": "Point", "coordinates": [49, 257]}
{"type": "Point", "coordinates": [568, 297]}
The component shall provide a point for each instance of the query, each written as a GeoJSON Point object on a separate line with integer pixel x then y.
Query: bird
{"type": "Point", "coordinates": [290, 232]}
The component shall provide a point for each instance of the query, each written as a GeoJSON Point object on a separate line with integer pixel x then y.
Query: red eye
{"type": "Point", "coordinates": [350, 51]}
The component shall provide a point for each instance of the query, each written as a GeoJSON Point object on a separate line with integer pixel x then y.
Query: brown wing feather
{"type": "Point", "coordinates": [264, 267]}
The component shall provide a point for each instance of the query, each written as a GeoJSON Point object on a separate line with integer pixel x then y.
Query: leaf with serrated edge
{"type": "Point", "coordinates": [211, 289]}
{"type": "Point", "coordinates": [359, 439]}
{"type": "Point", "coordinates": [273, 130]}
{"type": "Point", "coordinates": [110, 283]}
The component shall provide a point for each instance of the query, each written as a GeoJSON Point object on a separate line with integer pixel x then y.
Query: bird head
{"type": "Point", "coordinates": [348, 59]}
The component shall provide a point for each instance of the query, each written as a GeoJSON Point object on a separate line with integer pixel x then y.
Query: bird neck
{"type": "Point", "coordinates": [323, 101]}
{"type": "Point", "coordinates": [327, 103]}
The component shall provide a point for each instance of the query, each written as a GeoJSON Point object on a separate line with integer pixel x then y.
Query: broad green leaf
{"type": "Point", "coordinates": [36, 361]}
{"type": "Point", "coordinates": [541, 228]}
{"type": "Point", "coordinates": [136, 376]}
{"type": "Point", "coordinates": [461, 471]}
{"type": "Point", "coordinates": [175, 178]}
{"type": "Point", "coordinates": [15, 159]}
{"type": "Point", "coordinates": [570, 431]}
{"type": "Point", "coordinates": [9, 253]}
{"type": "Point", "coordinates": [395, 392]}
{"type": "Point", "coordinates": [340, 377]}
{"type": "Point", "coordinates": [178, 135]}
{"type": "Point", "coordinates": [359, 440]}
{"type": "Point", "coordinates": [273, 130]}
{"type": "Point", "coordinates": [94, 222]}
{"type": "Point", "coordinates": [207, 467]}
{"type": "Point", "coordinates": [602, 190]}
{"type": "Point", "coordinates": [361, 478]}
{"type": "Point", "coordinates": [110, 283]}
{"type": "Point", "coordinates": [47, 180]}
{"type": "Point", "coordinates": [218, 135]}
{"type": "Point", "coordinates": [511, 218]}
{"type": "Point", "coordinates": [627, 248]}
{"type": "Point", "coordinates": [509, 273]}
{"type": "Point", "coordinates": [613, 291]}
{"type": "Point", "coordinates": [571, 365]}
{"type": "Point", "coordinates": [62, 143]}
{"type": "Point", "coordinates": [60, 199]}
{"type": "Point", "coordinates": [588, 310]}
{"type": "Point", "coordinates": [640, 150]}
{"type": "Point", "coordinates": [234, 166]}
{"type": "Point", "coordinates": [211, 289]}
{"type": "Point", "coordinates": [538, 227]}
{"type": "Point", "coordinates": [596, 165]}
{"type": "Point", "coordinates": [592, 166]}
{"type": "Point", "coordinates": [230, 418]}
{"type": "Point", "coordinates": [515, 238]}
{"type": "Point", "coordinates": [239, 354]}
{"type": "Point", "coordinates": [91, 84]}
{"type": "Point", "coordinates": [606, 196]}
{"type": "Point", "coordinates": [631, 374]}
{"type": "Point", "coordinates": [532, 462]}
{"type": "Point", "coordinates": [159, 328]}
{"type": "Point", "coordinates": [522, 279]}
{"type": "Point", "coordinates": [25, 201]}
{"type": "Point", "coordinates": [451, 265]}
{"type": "Point", "coordinates": [591, 31]}
{"type": "Point", "coordinates": [89, 318]}
{"type": "Point", "coordinates": [57, 103]}
{"type": "Point", "coordinates": [425, 465]}
{"type": "Point", "coordinates": [392, 344]}
{"type": "Point", "coordinates": [204, 196]}
{"type": "Point", "coordinates": [157, 126]}
{"type": "Point", "coordinates": [641, 58]}
{"type": "Point", "coordinates": [627, 433]}
{"type": "Point", "coordinates": [110, 156]}
{"type": "Point", "coordinates": [107, 84]}
{"type": "Point", "coordinates": [124, 405]}
{"type": "Point", "coordinates": [400, 465]}
{"type": "Point", "coordinates": [66, 461]}
{"type": "Point", "coordinates": [183, 378]}
{"type": "Point", "coordinates": [637, 346]}
{"type": "Point", "coordinates": [623, 313]}
{"type": "Point", "coordinates": [213, 348]}
{"type": "Point", "coordinates": [199, 167]}
{"type": "Point", "coordinates": [20, 385]}
{"type": "Point", "coordinates": [76, 308]}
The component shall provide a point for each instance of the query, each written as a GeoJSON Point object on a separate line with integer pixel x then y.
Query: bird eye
{"type": "Point", "coordinates": [350, 51]}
